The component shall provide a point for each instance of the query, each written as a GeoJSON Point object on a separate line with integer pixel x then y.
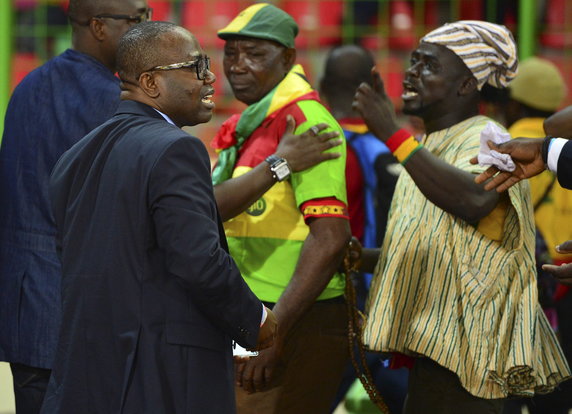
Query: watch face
{"type": "Point", "coordinates": [282, 171]}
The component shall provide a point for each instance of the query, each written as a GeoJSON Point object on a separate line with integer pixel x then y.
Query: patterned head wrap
{"type": "Point", "coordinates": [487, 49]}
{"type": "Point", "coordinates": [262, 21]}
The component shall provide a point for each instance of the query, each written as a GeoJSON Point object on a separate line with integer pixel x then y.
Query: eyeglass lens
{"type": "Point", "coordinates": [147, 15]}
{"type": "Point", "coordinates": [203, 65]}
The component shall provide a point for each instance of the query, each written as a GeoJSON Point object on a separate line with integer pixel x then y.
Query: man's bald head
{"type": "Point", "coordinates": [349, 63]}
{"type": "Point", "coordinates": [143, 47]}
{"type": "Point", "coordinates": [80, 11]}
{"type": "Point", "coordinates": [181, 92]}
{"type": "Point", "coordinates": [97, 25]}
{"type": "Point", "coordinates": [346, 68]}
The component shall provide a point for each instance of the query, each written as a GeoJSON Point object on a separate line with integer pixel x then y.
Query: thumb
{"type": "Point", "coordinates": [493, 146]}
{"type": "Point", "coordinates": [290, 124]}
{"type": "Point", "coordinates": [377, 82]}
{"type": "Point", "coordinates": [565, 247]}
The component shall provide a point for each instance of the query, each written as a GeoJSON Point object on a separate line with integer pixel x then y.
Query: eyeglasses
{"type": "Point", "coordinates": [143, 17]}
{"type": "Point", "coordinates": [202, 65]}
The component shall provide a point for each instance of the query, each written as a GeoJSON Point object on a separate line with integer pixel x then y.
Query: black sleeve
{"type": "Point", "coordinates": [186, 224]}
{"type": "Point", "coordinates": [564, 167]}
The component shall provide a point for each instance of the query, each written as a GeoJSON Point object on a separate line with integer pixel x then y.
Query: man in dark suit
{"type": "Point", "coordinates": [50, 110]}
{"type": "Point", "coordinates": [151, 297]}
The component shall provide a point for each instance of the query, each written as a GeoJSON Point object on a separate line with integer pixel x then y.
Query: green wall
{"type": "Point", "coordinates": [5, 55]}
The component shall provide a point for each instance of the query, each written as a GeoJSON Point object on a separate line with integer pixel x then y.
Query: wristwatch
{"type": "Point", "coordinates": [279, 166]}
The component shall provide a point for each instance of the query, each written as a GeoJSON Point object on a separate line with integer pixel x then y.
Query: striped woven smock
{"type": "Point", "coordinates": [266, 240]}
{"type": "Point", "coordinates": [444, 290]}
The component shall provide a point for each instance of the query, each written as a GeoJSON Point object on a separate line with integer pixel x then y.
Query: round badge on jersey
{"type": "Point", "coordinates": [257, 208]}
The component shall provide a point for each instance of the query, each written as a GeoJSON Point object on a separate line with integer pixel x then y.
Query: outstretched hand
{"type": "Point", "coordinates": [527, 157]}
{"type": "Point", "coordinates": [306, 150]}
{"type": "Point", "coordinates": [375, 107]}
{"type": "Point", "coordinates": [563, 272]}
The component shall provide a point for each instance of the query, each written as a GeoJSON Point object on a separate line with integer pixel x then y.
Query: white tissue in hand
{"type": "Point", "coordinates": [492, 132]}
{"type": "Point", "coordinates": [502, 161]}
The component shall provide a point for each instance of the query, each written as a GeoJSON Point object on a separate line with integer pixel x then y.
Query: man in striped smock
{"type": "Point", "coordinates": [455, 286]}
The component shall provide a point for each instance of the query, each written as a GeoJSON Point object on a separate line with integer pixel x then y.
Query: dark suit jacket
{"type": "Point", "coordinates": [565, 166]}
{"type": "Point", "coordinates": [151, 298]}
{"type": "Point", "coordinates": [52, 108]}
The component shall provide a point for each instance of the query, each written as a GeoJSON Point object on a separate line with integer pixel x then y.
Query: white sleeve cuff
{"type": "Point", "coordinates": [554, 150]}
{"type": "Point", "coordinates": [264, 315]}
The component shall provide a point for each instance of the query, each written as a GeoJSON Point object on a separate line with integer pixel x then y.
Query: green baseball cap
{"type": "Point", "coordinates": [262, 21]}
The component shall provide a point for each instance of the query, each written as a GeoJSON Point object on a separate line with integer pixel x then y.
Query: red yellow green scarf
{"type": "Point", "coordinates": [236, 130]}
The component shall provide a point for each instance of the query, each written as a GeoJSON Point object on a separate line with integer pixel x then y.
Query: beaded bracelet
{"type": "Point", "coordinates": [403, 145]}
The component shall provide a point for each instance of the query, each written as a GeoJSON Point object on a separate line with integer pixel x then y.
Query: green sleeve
{"type": "Point", "coordinates": [326, 179]}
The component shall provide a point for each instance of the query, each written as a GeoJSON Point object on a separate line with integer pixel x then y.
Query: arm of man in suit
{"type": "Point", "coordinates": [301, 151]}
{"type": "Point", "coordinates": [528, 155]}
{"type": "Point", "coordinates": [320, 258]}
{"type": "Point", "coordinates": [559, 124]}
{"type": "Point", "coordinates": [184, 212]}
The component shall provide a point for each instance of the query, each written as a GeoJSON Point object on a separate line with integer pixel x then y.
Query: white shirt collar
{"type": "Point", "coordinates": [165, 116]}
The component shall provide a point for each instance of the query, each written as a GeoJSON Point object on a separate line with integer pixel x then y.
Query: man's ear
{"type": "Point", "coordinates": [148, 83]}
{"type": "Point", "coordinates": [289, 57]}
{"type": "Point", "coordinates": [468, 86]}
{"type": "Point", "coordinates": [97, 28]}
{"type": "Point", "coordinates": [322, 86]}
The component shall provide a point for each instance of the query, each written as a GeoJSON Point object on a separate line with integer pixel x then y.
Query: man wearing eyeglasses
{"type": "Point", "coordinates": [289, 242]}
{"type": "Point", "coordinates": [50, 110]}
{"type": "Point", "coordinates": [151, 297]}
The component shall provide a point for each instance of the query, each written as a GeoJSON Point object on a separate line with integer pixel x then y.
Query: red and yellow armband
{"type": "Point", "coordinates": [324, 207]}
{"type": "Point", "coordinates": [403, 145]}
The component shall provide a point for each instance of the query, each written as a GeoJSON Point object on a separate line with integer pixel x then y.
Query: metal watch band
{"type": "Point", "coordinates": [279, 167]}
{"type": "Point", "coordinates": [273, 159]}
